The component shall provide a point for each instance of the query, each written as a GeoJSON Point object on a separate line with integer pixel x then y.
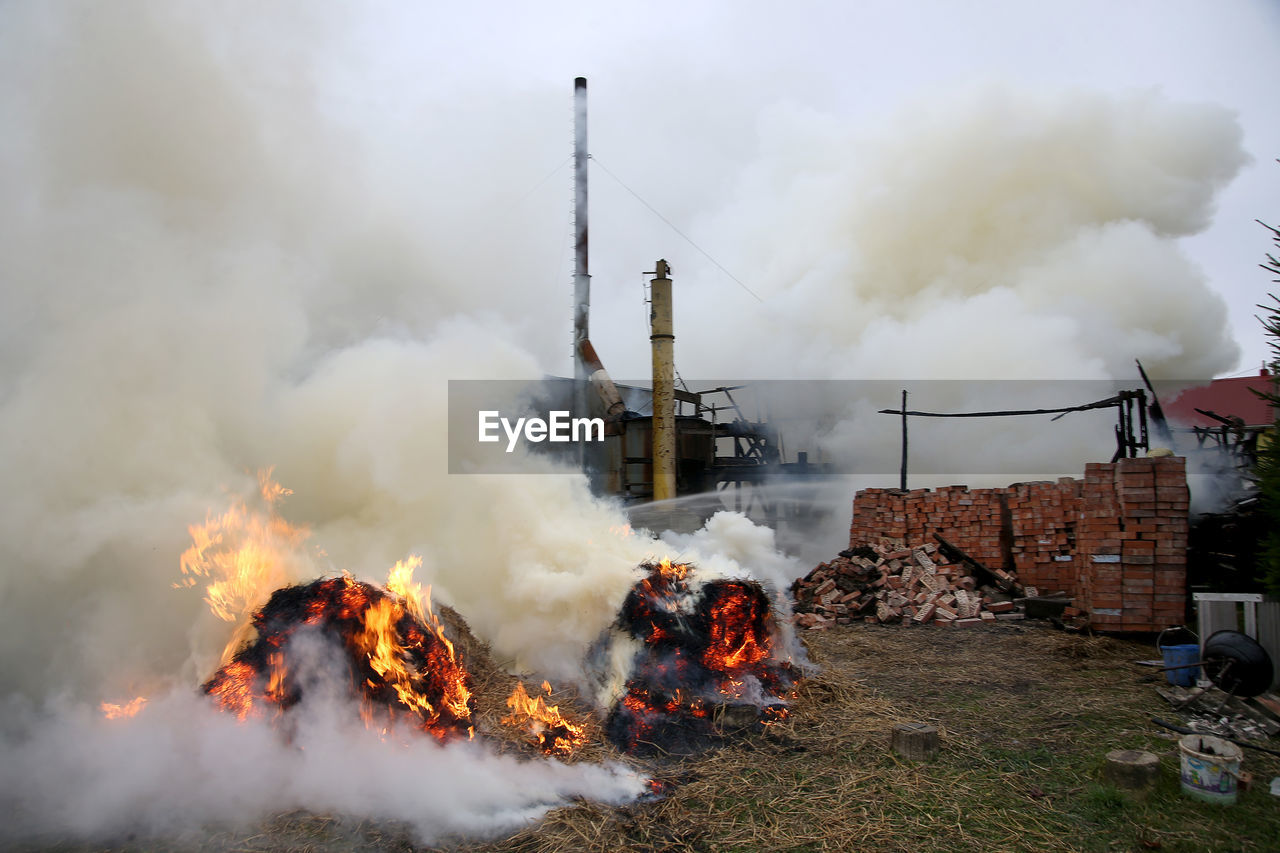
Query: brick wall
{"type": "Point", "coordinates": [1115, 541]}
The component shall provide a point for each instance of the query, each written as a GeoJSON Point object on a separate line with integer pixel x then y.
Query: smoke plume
{"type": "Point", "coordinates": [210, 269]}
{"type": "Point", "coordinates": [180, 766]}
{"type": "Point", "coordinates": [994, 234]}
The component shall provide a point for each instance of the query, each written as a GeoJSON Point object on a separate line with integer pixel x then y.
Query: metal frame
{"type": "Point", "coordinates": [1250, 600]}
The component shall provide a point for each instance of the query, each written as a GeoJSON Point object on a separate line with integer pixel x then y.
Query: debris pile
{"type": "Point", "coordinates": [973, 518]}
{"type": "Point", "coordinates": [891, 582]}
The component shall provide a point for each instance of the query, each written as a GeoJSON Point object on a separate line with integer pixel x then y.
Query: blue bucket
{"type": "Point", "coordinates": [1179, 656]}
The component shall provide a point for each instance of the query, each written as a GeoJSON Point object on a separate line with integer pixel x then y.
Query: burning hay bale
{"type": "Point", "coordinates": [389, 649]}
{"type": "Point", "coordinates": [891, 582]}
{"type": "Point", "coordinates": [689, 660]}
{"type": "Point", "coordinates": [402, 662]}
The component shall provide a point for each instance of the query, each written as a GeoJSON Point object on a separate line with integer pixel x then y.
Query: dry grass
{"type": "Point", "coordinates": [1026, 715]}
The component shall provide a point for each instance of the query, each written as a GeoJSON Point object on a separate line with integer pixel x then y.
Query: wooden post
{"type": "Point", "coordinates": [1144, 440]}
{"type": "Point", "coordinates": [1133, 770]}
{"type": "Point", "coordinates": [915, 741]}
{"type": "Point", "coordinates": [902, 479]}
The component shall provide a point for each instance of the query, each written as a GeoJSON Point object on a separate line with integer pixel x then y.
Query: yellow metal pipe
{"type": "Point", "coordinates": [662, 338]}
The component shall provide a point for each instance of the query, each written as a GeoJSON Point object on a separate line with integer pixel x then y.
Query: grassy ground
{"type": "Point", "coordinates": [1026, 716]}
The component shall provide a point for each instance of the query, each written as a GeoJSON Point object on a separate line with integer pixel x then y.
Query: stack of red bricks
{"type": "Point", "coordinates": [1041, 533]}
{"type": "Point", "coordinates": [972, 517]}
{"type": "Point", "coordinates": [1028, 527]}
{"type": "Point", "coordinates": [1115, 542]}
{"type": "Point", "coordinates": [1132, 543]}
{"type": "Point", "coordinates": [891, 583]}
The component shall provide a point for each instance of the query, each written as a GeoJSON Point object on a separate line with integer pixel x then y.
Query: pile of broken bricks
{"type": "Point", "coordinates": [890, 582]}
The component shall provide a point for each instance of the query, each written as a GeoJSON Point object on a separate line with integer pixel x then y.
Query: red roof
{"type": "Point", "coordinates": [1226, 397]}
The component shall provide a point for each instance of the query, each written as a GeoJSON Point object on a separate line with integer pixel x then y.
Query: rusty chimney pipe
{"type": "Point", "coordinates": [662, 339]}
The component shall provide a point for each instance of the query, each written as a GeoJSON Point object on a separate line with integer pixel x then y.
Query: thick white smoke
{"type": "Point", "coordinates": [210, 269]}
{"type": "Point", "coordinates": [181, 765]}
{"type": "Point", "coordinates": [991, 234]}
{"type": "Point", "coordinates": [207, 273]}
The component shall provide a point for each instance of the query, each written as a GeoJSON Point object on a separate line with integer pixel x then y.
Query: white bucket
{"type": "Point", "coordinates": [1210, 768]}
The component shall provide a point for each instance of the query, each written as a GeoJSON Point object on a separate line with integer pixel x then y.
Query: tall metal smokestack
{"type": "Point", "coordinates": [581, 274]}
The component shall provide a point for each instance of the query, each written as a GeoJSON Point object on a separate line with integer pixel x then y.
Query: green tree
{"type": "Point", "coordinates": [1268, 470]}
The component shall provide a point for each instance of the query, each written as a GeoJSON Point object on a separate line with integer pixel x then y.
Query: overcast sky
{"type": "Point", "coordinates": [696, 78]}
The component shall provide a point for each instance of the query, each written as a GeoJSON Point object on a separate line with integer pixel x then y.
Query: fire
{"type": "Point", "coordinates": [112, 711]}
{"type": "Point", "coordinates": [390, 657]}
{"type": "Point", "coordinates": [234, 686]}
{"type": "Point", "coordinates": [546, 726]}
{"type": "Point", "coordinates": [670, 573]}
{"type": "Point", "coordinates": [662, 591]}
{"type": "Point", "coordinates": [394, 649]}
{"type": "Point", "coordinates": [396, 656]}
{"type": "Point", "coordinates": [243, 553]}
{"type": "Point", "coordinates": [737, 635]}
{"type": "Point", "coordinates": [400, 582]}
{"type": "Point", "coordinates": [707, 661]}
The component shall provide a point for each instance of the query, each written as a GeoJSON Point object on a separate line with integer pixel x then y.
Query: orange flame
{"type": "Point", "coordinates": [546, 726]}
{"type": "Point", "coordinates": [703, 644]}
{"type": "Point", "coordinates": [112, 711]}
{"type": "Point", "coordinates": [233, 687]}
{"type": "Point", "coordinates": [735, 641]}
{"type": "Point", "coordinates": [387, 657]}
{"type": "Point", "coordinates": [400, 582]}
{"type": "Point", "coordinates": [276, 692]}
{"type": "Point", "coordinates": [380, 641]}
{"type": "Point", "coordinates": [672, 571]}
{"type": "Point", "coordinates": [244, 553]}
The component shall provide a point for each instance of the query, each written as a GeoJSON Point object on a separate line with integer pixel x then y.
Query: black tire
{"type": "Point", "coordinates": [1237, 664]}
